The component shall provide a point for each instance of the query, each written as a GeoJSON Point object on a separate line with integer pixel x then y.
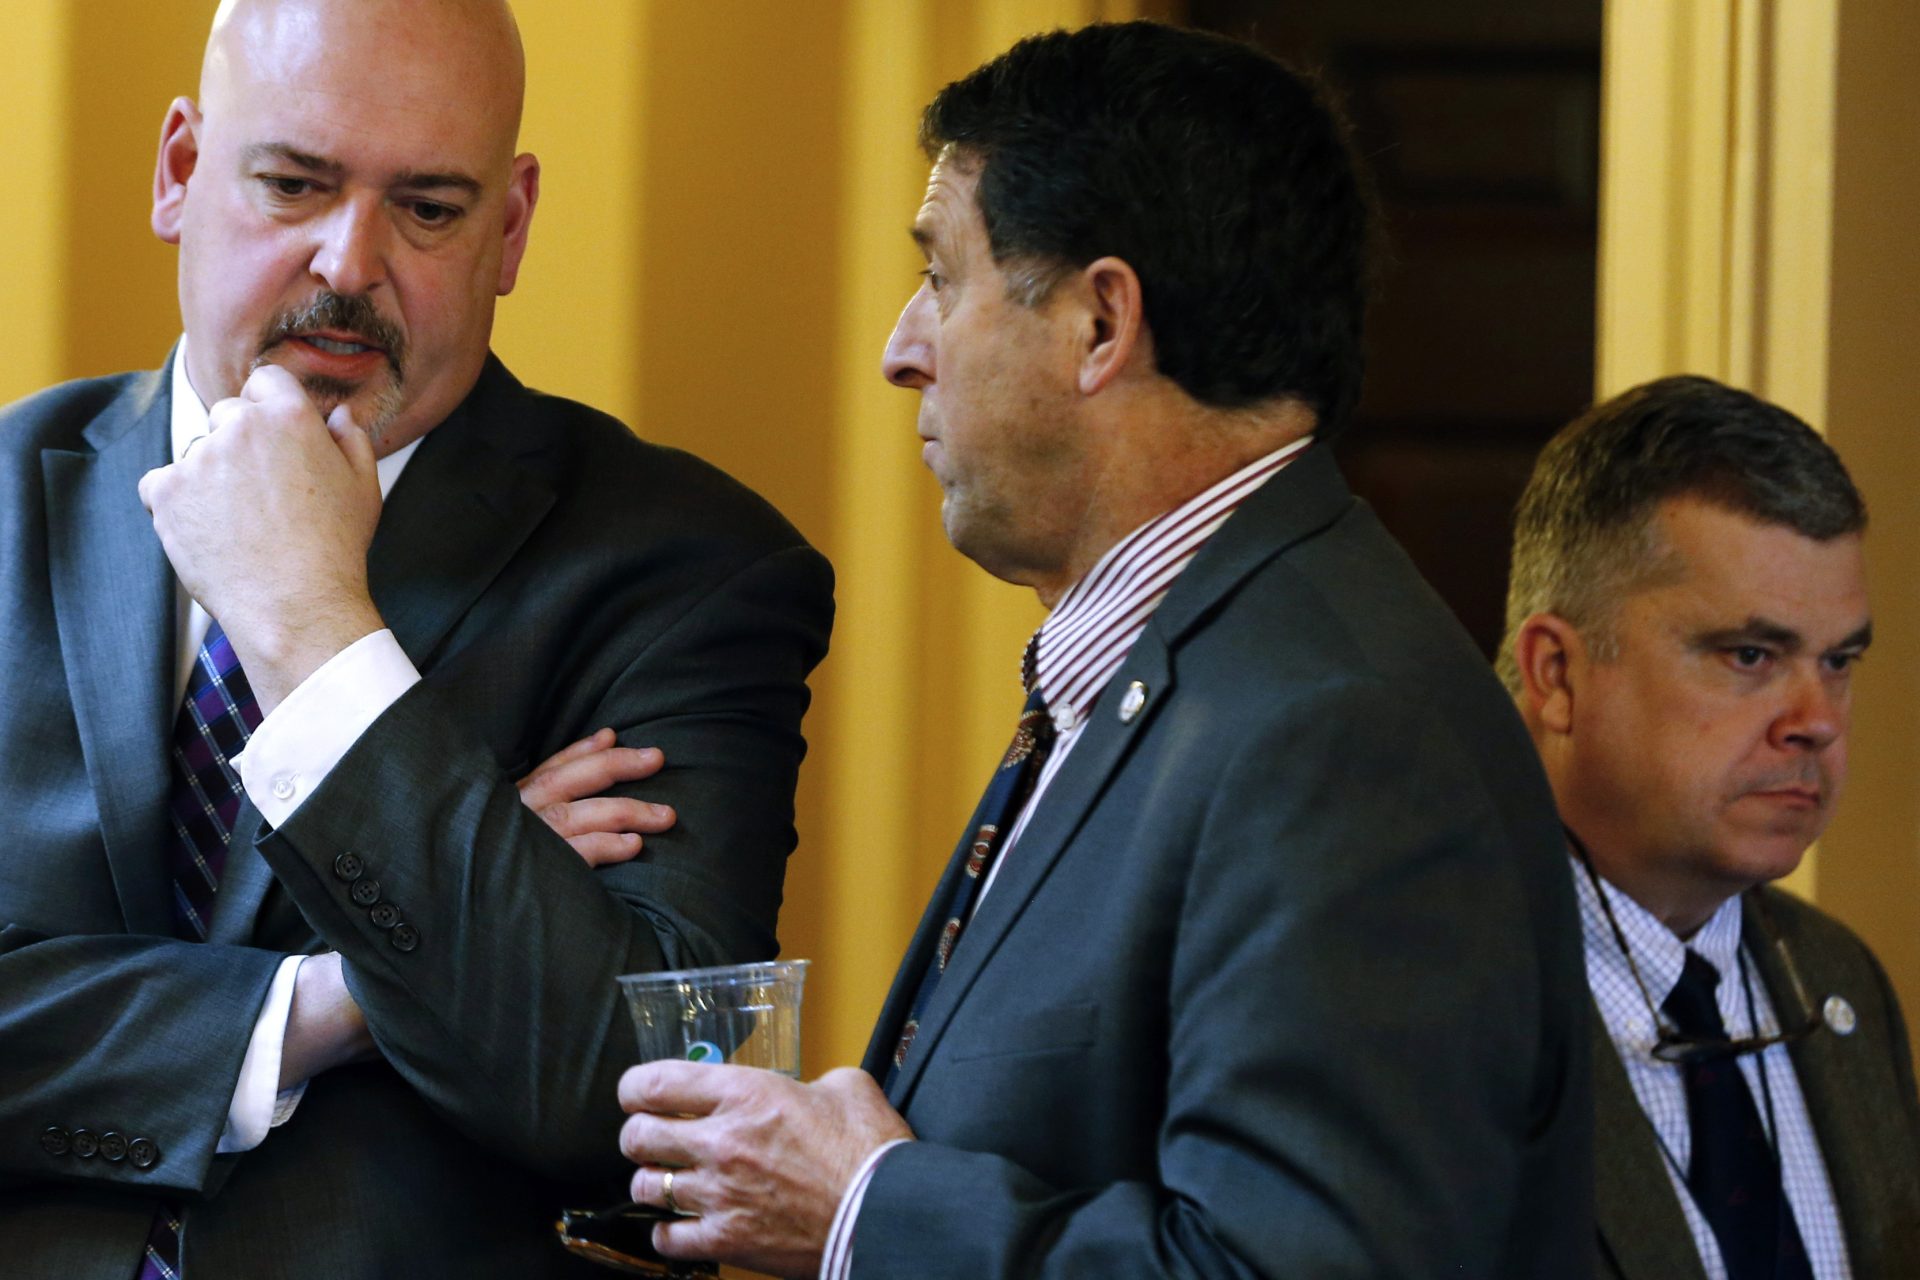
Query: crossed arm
{"type": "Point", "coordinates": [569, 791]}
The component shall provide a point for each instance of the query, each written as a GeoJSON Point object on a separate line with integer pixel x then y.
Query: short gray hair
{"type": "Point", "coordinates": [1584, 538]}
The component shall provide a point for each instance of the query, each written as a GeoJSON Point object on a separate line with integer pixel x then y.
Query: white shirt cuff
{"type": "Point", "coordinates": [258, 1103]}
{"type": "Point", "coordinates": [836, 1260]}
{"type": "Point", "coordinates": [296, 747]}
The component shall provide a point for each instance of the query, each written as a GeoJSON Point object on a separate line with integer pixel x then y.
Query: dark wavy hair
{"type": "Point", "coordinates": [1224, 178]}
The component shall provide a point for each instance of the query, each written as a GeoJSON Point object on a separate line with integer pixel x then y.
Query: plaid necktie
{"type": "Point", "coordinates": [216, 718]}
{"type": "Point", "coordinates": [1000, 807]}
{"type": "Point", "coordinates": [1733, 1173]}
{"type": "Point", "coordinates": [215, 721]}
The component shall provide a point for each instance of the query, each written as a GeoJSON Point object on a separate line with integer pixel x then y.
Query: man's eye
{"type": "Point", "coordinates": [935, 281]}
{"type": "Point", "coordinates": [1748, 656]}
{"type": "Point", "coordinates": [1841, 663]}
{"type": "Point", "coordinates": [289, 187]}
{"type": "Point", "coordinates": [432, 213]}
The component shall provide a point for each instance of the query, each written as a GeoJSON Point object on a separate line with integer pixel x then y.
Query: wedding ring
{"type": "Point", "coordinates": [666, 1194]}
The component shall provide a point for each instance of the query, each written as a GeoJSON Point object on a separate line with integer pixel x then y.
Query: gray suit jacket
{"type": "Point", "coordinates": [548, 574]}
{"type": "Point", "coordinates": [1860, 1095]}
{"type": "Point", "coordinates": [1283, 977]}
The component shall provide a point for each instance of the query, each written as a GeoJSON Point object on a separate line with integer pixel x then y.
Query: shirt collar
{"type": "Point", "coordinates": [1657, 952]}
{"type": "Point", "coordinates": [1090, 631]}
{"type": "Point", "coordinates": [190, 423]}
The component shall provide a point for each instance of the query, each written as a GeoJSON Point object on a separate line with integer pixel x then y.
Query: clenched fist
{"type": "Point", "coordinates": [267, 522]}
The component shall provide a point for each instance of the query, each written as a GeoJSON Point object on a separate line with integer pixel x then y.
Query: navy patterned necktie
{"type": "Point", "coordinates": [1734, 1175]}
{"type": "Point", "coordinates": [1007, 792]}
{"type": "Point", "coordinates": [216, 718]}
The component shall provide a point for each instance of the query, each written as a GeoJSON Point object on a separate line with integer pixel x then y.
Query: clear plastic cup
{"type": "Point", "coordinates": [746, 1014]}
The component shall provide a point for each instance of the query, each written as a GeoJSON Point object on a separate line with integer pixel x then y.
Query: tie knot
{"type": "Point", "coordinates": [1692, 1004]}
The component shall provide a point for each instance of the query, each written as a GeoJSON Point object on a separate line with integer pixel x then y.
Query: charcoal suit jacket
{"type": "Point", "coordinates": [548, 574]}
{"type": "Point", "coordinates": [1859, 1089]}
{"type": "Point", "coordinates": [1283, 977]}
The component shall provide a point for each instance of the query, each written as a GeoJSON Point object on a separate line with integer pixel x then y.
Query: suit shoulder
{"type": "Point", "coordinates": [609, 466]}
{"type": "Point", "coordinates": [1807, 928]}
{"type": "Point", "coordinates": [55, 417]}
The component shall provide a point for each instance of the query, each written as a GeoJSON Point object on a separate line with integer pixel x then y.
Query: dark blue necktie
{"type": "Point", "coordinates": [999, 809]}
{"type": "Point", "coordinates": [1734, 1175]}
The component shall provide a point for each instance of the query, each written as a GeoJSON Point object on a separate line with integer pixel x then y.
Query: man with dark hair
{"type": "Point", "coordinates": [1256, 958]}
{"type": "Point", "coordinates": [292, 983]}
{"type": "Point", "coordinates": [1687, 606]}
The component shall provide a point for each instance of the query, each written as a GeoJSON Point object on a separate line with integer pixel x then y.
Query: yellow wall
{"type": "Point", "coordinates": [1760, 167]}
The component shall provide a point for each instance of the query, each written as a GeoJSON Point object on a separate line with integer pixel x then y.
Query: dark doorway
{"type": "Point", "coordinates": [1480, 121]}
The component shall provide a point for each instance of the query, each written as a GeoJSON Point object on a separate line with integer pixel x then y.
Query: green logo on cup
{"type": "Point", "coordinates": [705, 1051]}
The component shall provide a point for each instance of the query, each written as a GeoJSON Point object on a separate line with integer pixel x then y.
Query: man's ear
{"type": "Point", "coordinates": [523, 193]}
{"type": "Point", "coordinates": [1117, 333]}
{"type": "Point", "coordinates": [179, 153]}
{"type": "Point", "coordinates": [1551, 655]}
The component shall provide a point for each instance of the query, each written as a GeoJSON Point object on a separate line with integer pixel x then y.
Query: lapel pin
{"type": "Point", "coordinates": [1132, 701]}
{"type": "Point", "coordinates": [1839, 1015]}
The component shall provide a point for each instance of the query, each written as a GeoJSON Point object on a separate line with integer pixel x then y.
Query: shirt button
{"type": "Point", "coordinates": [283, 786]}
{"type": "Point", "coordinates": [1063, 718]}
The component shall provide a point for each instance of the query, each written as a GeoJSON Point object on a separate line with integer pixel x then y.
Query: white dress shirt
{"type": "Point", "coordinates": [286, 758]}
{"type": "Point", "coordinates": [1660, 1087]}
{"type": "Point", "coordinates": [1076, 651]}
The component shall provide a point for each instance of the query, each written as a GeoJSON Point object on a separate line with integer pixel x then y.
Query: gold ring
{"type": "Point", "coordinates": [666, 1194]}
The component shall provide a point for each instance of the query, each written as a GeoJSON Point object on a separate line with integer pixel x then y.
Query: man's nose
{"type": "Point", "coordinates": [351, 256]}
{"type": "Point", "coordinates": [1815, 715]}
{"type": "Point", "coordinates": [908, 360]}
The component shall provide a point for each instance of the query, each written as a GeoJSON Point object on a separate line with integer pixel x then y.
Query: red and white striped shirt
{"type": "Point", "coordinates": [1092, 630]}
{"type": "Point", "coordinates": [1075, 653]}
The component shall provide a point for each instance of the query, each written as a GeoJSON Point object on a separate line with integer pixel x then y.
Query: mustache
{"type": "Point", "coordinates": [1808, 774]}
{"type": "Point", "coordinates": [339, 313]}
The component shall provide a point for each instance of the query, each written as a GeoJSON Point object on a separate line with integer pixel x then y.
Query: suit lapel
{"type": "Point", "coordinates": [1643, 1230]}
{"type": "Point", "coordinates": [1845, 1101]}
{"type": "Point", "coordinates": [1301, 500]}
{"type": "Point", "coordinates": [112, 594]}
{"type": "Point", "coordinates": [1062, 809]}
{"type": "Point", "coordinates": [457, 515]}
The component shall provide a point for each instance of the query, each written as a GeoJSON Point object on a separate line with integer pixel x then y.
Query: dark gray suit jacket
{"type": "Point", "coordinates": [1283, 977]}
{"type": "Point", "coordinates": [548, 574]}
{"type": "Point", "coordinates": [1860, 1095]}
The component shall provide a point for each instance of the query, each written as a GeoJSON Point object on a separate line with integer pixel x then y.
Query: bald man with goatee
{"type": "Point", "coordinates": [325, 641]}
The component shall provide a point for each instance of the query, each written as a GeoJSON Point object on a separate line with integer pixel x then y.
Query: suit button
{"type": "Point", "coordinates": [365, 892]}
{"type": "Point", "coordinates": [384, 916]}
{"type": "Point", "coordinates": [113, 1146]}
{"type": "Point", "coordinates": [348, 867]}
{"type": "Point", "coordinates": [143, 1153]}
{"type": "Point", "coordinates": [404, 937]}
{"type": "Point", "coordinates": [54, 1141]}
{"type": "Point", "coordinates": [85, 1144]}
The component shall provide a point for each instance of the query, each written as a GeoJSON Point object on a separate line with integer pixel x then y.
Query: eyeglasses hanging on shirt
{"type": "Point", "coordinates": [1670, 1043]}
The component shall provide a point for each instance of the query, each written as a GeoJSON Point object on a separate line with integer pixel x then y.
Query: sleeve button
{"type": "Point", "coordinates": [283, 787]}
{"type": "Point", "coordinates": [113, 1146]}
{"type": "Point", "coordinates": [54, 1141]}
{"type": "Point", "coordinates": [366, 892]}
{"type": "Point", "coordinates": [404, 937]}
{"type": "Point", "coordinates": [384, 916]}
{"type": "Point", "coordinates": [85, 1144]}
{"type": "Point", "coordinates": [348, 867]}
{"type": "Point", "coordinates": [143, 1153]}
